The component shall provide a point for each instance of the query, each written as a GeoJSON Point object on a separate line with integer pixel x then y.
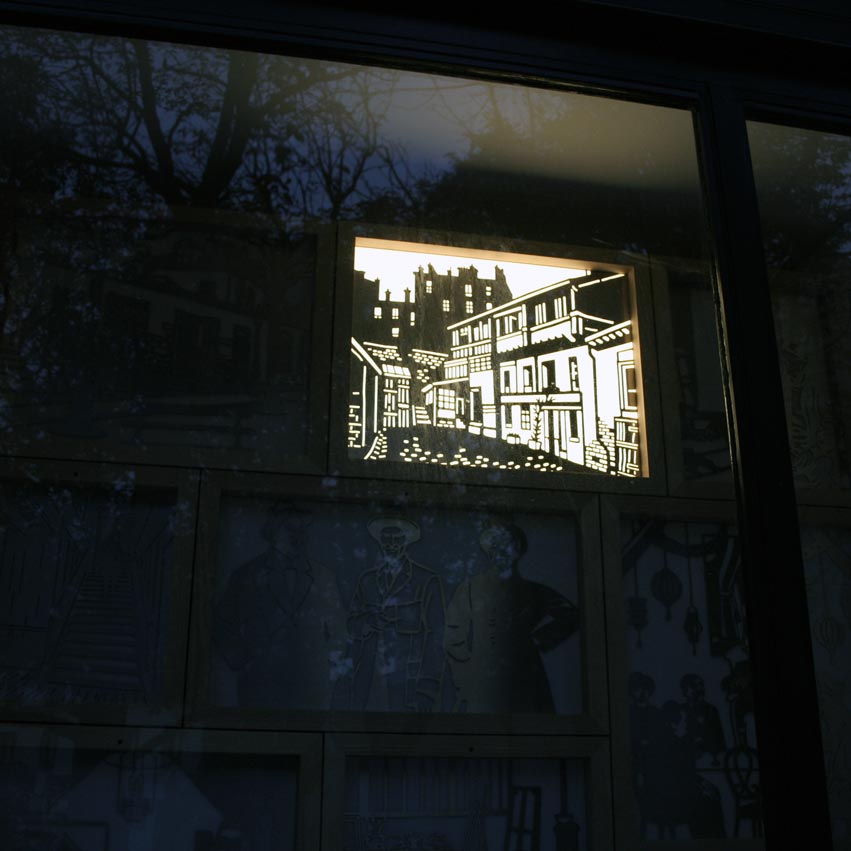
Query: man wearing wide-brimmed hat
{"type": "Point", "coordinates": [395, 624]}
{"type": "Point", "coordinates": [279, 623]}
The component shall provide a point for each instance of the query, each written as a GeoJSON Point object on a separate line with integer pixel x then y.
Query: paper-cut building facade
{"type": "Point", "coordinates": [552, 371]}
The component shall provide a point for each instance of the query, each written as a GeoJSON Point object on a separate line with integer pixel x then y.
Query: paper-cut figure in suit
{"type": "Point", "coordinates": [279, 623]}
{"type": "Point", "coordinates": [497, 626]}
{"type": "Point", "coordinates": [395, 626]}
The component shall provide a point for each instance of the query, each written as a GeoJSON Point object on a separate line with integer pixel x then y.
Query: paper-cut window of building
{"type": "Point", "coordinates": [548, 375]}
{"type": "Point", "coordinates": [506, 381]}
{"type": "Point", "coordinates": [395, 332]}
{"type": "Point", "coordinates": [413, 318]}
{"type": "Point", "coordinates": [540, 313]}
{"type": "Point", "coordinates": [445, 399]}
{"type": "Point", "coordinates": [428, 286]}
{"type": "Point", "coordinates": [507, 414]}
{"type": "Point", "coordinates": [488, 290]}
{"type": "Point", "coordinates": [628, 387]}
{"type": "Point", "coordinates": [476, 405]}
{"type": "Point", "coordinates": [573, 424]}
{"type": "Point", "coordinates": [560, 306]}
{"type": "Point", "coordinates": [489, 305]}
{"type": "Point", "coordinates": [525, 416]}
{"type": "Point", "coordinates": [468, 290]}
{"type": "Point", "coordinates": [377, 313]}
{"type": "Point", "coordinates": [528, 382]}
{"type": "Point", "coordinates": [468, 306]}
{"type": "Point", "coordinates": [573, 367]}
{"type": "Point", "coordinates": [446, 305]}
{"type": "Point", "coordinates": [395, 312]}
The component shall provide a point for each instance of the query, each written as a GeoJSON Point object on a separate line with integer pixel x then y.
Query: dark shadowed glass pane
{"type": "Point", "coordinates": [88, 576]}
{"type": "Point", "coordinates": [444, 803]}
{"type": "Point", "coordinates": [827, 566]}
{"type": "Point", "coordinates": [353, 607]}
{"type": "Point", "coordinates": [695, 772]}
{"type": "Point", "coordinates": [66, 790]}
{"type": "Point", "coordinates": [158, 293]}
{"type": "Point", "coordinates": [802, 179]}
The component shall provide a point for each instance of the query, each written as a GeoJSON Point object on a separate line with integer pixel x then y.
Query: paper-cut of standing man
{"type": "Point", "coordinates": [497, 626]}
{"type": "Point", "coordinates": [395, 627]}
{"type": "Point", "coordinates": [279, 623]}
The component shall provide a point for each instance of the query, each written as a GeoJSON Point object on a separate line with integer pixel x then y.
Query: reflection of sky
{"type": "Point", "coordinates": [395, 268]}
{"type": "Point", "coordinates": [522, 130]}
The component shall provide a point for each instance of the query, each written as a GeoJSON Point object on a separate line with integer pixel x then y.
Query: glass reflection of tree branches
{"type": "Point", "coordinates": [168, 302]}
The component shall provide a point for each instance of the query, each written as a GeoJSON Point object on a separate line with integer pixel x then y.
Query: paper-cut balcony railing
{"type": "Point", "coordinates": [493, 360]}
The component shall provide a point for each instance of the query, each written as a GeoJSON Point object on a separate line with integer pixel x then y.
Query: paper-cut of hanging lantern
{"type": "Point", "coordinates": [830, 633]}
{"type": "Point", "coordinates": [637, 615]}
{"type": "Point", "coordinates": [667, 588]}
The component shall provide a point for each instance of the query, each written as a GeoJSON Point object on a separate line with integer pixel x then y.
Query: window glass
{"type": "Point", "coordinates": [341, 606]}
{"type": "Point", "coordinates": [802, 180]}
{"type": "Point", "coordinates": [394, 518]}
{"type": "Point", "coordinates": [177, 305]}
{"type": "Point", "coordinates": [694, 763]}
{"type": "Point", "coordinates": [827, 567]}
{"type": "Point", "coordinates": [90, 587]}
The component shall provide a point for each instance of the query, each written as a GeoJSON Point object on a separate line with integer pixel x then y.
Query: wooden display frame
{"type": "Point", "coordinates": [643, 331]}
{"type": "Point", "coordinates": [136, 449]}
{"type": "Point", "coordinates": [200, 710]}
{"type": "Point", "coordinates": [594, 751]}
{"type": "Point", "coordinates": [305, 748]}
{"type": "Point", "coordinates": [184, 487]}
{"type": "Point", "coordinates": [626, 815]}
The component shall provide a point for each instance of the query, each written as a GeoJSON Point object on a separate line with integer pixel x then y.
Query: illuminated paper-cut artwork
{"type": "Point", "coordinates": [493, 360]}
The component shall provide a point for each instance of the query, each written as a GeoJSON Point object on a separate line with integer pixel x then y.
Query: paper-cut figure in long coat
{"type": "Point", "coordinates": [497, 626]}
{"type": "Point", "coordinates": [395, 626]}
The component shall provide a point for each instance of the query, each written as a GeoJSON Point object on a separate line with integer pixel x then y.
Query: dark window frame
{"type": "Point", "coordinates": [723, 95]}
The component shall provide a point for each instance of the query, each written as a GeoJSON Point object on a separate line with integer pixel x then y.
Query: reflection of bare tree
{"type": "Point", "coordinates": [151, 284]}
{"type": "Point", "coordinates": [200, 128]}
